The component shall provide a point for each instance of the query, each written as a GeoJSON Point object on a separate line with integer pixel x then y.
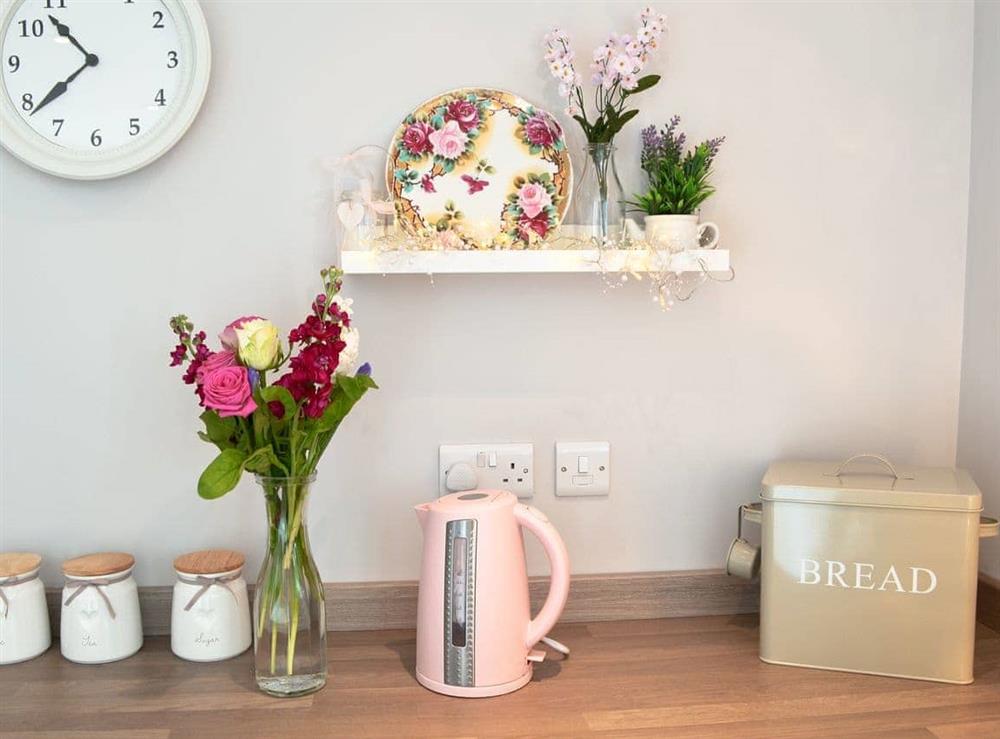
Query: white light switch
{"type": "Point", "coordinates": [583, 468]}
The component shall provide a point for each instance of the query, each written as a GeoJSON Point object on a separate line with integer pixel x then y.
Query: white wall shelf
{"type": "Point", "coordinates": [402, 262]}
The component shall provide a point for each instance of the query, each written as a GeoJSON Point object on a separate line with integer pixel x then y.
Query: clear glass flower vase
{"type": "Point", "coordinates": [598, 207]}
{"type": "Point", "coordinates": [289, 610]}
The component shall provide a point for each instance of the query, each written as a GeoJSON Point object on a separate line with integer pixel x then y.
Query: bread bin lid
{"type": "Point", "coordinates": [871, 480]}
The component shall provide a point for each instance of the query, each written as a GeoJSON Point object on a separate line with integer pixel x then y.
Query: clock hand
{"type": "Point", "coordinates": [63, 31]}
{"type": "Point", "coordinates": [60, 87]}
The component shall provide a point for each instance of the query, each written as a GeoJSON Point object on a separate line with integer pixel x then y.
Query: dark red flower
{"type": "Point", "coordinates": [464, 113]}
{"type": "Point", "coordinates": [541, 130]}
{"type": "Point", "coordinates": [415, 138]}
{"type": "Point", "coordinates": [539, 224]}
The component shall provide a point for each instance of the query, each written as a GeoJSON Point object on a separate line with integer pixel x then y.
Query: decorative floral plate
{"type": "Point", "coordinates": [481, 168]}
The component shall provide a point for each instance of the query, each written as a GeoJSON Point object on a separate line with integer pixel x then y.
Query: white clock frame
{"type": "Point", "coordinates": [20, 140]}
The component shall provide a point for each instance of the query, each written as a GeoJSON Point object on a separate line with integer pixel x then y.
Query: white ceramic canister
{"type": "Point", "coordinates": [100, 612]}
{"type": "Point", "coordinates": [24, 615]}
{"type": "Point", "coordinates": [210, 614]}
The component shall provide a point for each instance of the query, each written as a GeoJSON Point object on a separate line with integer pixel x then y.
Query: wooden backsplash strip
{"type": "Point", "coordinates": [616, 597]}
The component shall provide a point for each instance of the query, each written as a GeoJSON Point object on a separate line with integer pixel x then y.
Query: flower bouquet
{"type": "Point", "coordinates": [616, 73]}
{"type": "Point", "coordinates": [279, 431]}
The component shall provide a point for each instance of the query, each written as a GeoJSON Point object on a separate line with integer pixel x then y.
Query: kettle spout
{"type": "Point", "coordinates": [421, 511]}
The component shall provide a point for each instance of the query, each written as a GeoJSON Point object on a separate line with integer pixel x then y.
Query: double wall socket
{"type": "Point", "coordinates": [487, 466]}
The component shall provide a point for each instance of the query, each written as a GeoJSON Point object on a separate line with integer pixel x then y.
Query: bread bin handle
{"type": "Point", "coordinates": [536, 522]}
{"type": "Point", "coordinates": [876, 457]}
{"type": "Point", "coordinates": [988, 527]}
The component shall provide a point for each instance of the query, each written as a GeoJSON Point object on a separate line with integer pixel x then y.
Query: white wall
{"type": "Point", "coordinates": [843, 194]}
{"type": "Point", "coordinates": [979, 427]}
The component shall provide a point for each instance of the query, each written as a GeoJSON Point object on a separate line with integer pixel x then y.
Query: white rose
{"type": "Point", "coordinates": [349, 354]}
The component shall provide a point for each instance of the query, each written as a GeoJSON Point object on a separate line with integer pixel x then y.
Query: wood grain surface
{"type": "Point", "coordinates": [209, 562]}
{"type": "Point", "coordinates": [353, 606]}
{"type": "Point", "coordinates": [98, 564]}
{"type": "Point", "coordinates": [392, 605]}
{"type": "Point", "coordinates": [13, 564]}
{"type": "Point", "coordinates": [683, 677]}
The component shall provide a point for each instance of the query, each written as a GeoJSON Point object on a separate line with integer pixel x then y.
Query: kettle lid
{"type": "Point", "coordinates": [472, 500]}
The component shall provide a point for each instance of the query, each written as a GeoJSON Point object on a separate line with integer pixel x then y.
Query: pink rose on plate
{"type": "Point", "coordinates": [214, 361]}
{"type": "Point", "coordinates": [415, 138]}
{"type": "Point", "coordinates": [533, 199]}
{"type": "Point", "coordinates": [226, 390]}
{"type": "Point", "coordinates": [228, 336]}
{"type": "Point", "coordinates": [449, 142]}
{"type": "Point", "coordinates": [464, 113]}
{"type": "Point", "coordinates": [541, 130]}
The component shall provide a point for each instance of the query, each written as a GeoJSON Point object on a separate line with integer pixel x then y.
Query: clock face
{"type": "Point", "coordinates": [92, 81]}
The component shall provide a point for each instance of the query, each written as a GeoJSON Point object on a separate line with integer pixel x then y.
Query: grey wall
{"type": "Point", "coordinates": [979, 427]}
{"type": "Point", "coordinates": [843, 195]}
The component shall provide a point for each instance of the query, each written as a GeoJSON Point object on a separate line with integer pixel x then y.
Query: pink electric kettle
{"type": "Point", "coordinates": [475, 634]}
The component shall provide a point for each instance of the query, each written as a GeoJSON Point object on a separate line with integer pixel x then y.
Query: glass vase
{"type": "Point", "coordinates": [289, 611]}
{"type": "Point", "coordinates": [598, 199]}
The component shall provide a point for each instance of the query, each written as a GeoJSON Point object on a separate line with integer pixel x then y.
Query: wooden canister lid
{"type": "Point", "coordinates": [15, 564]}
{"type": "Point", "coordinates": [209, 562]}
{"type": "Point", "coordinates": [95, 565]}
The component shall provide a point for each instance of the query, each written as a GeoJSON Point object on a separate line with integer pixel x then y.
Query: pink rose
{"type": "Point", "coordinates": [228, 335]}
{"type": "Point", "coordinates": [415, 138]}
{"type": "Point", "coordinates": [449, 142]}
{"type": "Point", "coordinates": [533, 199]}
{"type": "Point", "coordinates": [214, 361]}
{"type": "Point", "coordinates": [226, 390]}
{"type": "Point", "coordinates": [541, 130]}
{"type": "Point", "coordinates": [464, 113]}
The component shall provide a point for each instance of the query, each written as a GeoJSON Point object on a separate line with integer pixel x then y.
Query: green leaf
{"type": "Point", "coordinates": [346, 393]}
{"type": "Point", "coordinates": [619, 122]}
{"type": "Point", "coordinates": [273, 393]}
{"type": "Point", "coordinates": [261, 460]}
{"type": "Point", "coordinates": [222, 474]}
{"type": "Point", "coordinates": [644, 84]}
{"type": "Point", "coordinates": [218, 431]}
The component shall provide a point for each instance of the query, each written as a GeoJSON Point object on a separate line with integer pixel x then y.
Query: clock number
{"type": "Point", "coordinates": [27, 103]}
{"type": "Point", "coordinates": [171, 59]}
{"type": "Point", "coordinates": [130, 2]}
{"type": "Point", "coordinates": [160, 97]}
{"type": "Point", "coordinates": [95, 137]}
{"type": "Point", "coordinates": [50, 6]}
{"type": "Point", "coordinates": [58, 123]}
{"type": "Point", "coordinates": [133, 126]}
{"type": "Point", "coordinates": [37, 28]}
{"type": "Point", "coordinates": [14, 62]}
{"type": "Point", "coordinates": [158, 16]}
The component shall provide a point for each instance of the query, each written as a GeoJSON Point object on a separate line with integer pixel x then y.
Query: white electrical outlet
{"type": "Point", "coordinates": [583, 468]}
{"type": "Point", "coordinates": [487, 466]}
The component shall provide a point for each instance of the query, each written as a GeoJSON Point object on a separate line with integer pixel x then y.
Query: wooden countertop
{"type": "Point", "coordinates": [668, 677]}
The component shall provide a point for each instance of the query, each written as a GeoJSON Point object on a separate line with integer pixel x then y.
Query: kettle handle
{"type": "Point", "coordinates": [536, 522]}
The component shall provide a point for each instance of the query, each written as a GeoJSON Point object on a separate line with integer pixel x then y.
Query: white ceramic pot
{"type": "Point", "coordinates": [210, 616]}
{"type": "Point", "coordinates": [681, 233]}
{"type": "Point", "coordinates": [24, 616]}
{"type": "Point", "coordinates": [100, 617]}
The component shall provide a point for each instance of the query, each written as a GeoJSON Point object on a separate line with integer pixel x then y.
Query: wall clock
{"type": "Point", "coordinates": [98, 88]}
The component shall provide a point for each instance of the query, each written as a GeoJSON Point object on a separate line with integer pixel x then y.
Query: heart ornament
{"type": "Point", "coordinates": [350, 214]}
